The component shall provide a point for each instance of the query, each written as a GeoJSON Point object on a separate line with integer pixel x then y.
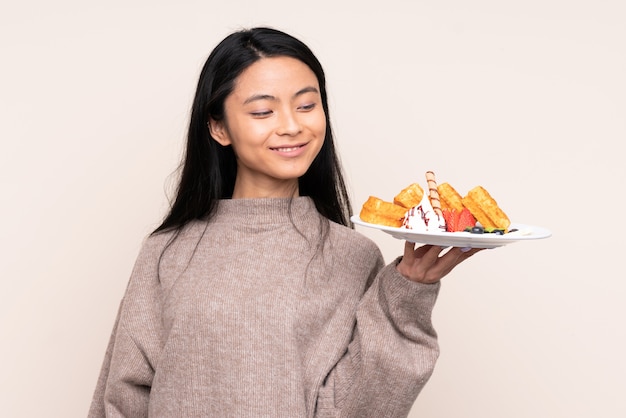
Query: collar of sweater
{"type": "Point", "coordinates": [265, 210]}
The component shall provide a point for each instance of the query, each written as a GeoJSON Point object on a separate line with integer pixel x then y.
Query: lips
{"type": "Point", "coordinates": [287, 149]}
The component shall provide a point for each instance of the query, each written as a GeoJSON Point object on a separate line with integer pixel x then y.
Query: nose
{"type": "Point", "coordinates": [288, 123]}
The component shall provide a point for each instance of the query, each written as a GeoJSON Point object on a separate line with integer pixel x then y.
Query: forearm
{"type": "Point", "coordinates": [393, 351]}
{"type": "Point", "coordinates": [124, 389]}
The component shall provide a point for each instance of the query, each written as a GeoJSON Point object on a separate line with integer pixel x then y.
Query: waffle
{"type": "Point", "coordinates": [485, 209]}
{"type": "Point", "coordinates": [409, 196]}
{"type": "Point", "coordinates": [378, 211]}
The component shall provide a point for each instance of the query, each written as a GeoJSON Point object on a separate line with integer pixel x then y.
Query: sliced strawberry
{"type": "Point", "coordinates": [446, 217]}
{"type": "Point", "coordinates": [451, 217]}
{"type": "Point", "coordinates": [466, 219]}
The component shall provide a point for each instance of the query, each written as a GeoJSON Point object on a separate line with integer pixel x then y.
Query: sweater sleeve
{"type": "Point", "coordinates": [392, 353]}
{"type": "Point", "coordinates": [123, 387]}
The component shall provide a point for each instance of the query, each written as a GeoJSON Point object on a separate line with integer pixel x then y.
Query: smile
{"type": "Point", "coordinates": [287, 149]}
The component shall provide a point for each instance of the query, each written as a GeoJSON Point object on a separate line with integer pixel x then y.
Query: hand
{"type": "Point", "coordinates": [425, 265]}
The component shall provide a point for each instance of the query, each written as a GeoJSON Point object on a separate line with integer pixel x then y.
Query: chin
{"type": "Point", "coordinates": [294, 173]}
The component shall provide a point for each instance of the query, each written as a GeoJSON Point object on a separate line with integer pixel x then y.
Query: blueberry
{"type": "Point", "coordinates": [477, 230]}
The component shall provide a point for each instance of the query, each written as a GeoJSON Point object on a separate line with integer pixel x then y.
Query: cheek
{"type": "Point", "coordinates": [321, 135]}
{"type": "Point", "coordinates": [320, 126]}
{"type": "Point", "coordinates": [244, 134]}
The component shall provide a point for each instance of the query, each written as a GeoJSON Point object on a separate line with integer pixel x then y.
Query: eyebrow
{"type": "Point", "coordinates": [255, 97]}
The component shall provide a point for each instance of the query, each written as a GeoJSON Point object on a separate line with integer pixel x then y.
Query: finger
{"type": "Point", "coordinates": [453, 258]}
{"type": "Point", "coordinates": [409, 251]}
{"type": "Point", "coordinates": [431, 254]}
{"type": "Point", "coordinates": [413, 253]}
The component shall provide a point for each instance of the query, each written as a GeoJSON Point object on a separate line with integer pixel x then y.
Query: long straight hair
{"type": "Point", "coordinates": [209, 169]}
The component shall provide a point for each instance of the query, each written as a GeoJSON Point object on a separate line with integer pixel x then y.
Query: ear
{"type": "Point", "coordinates": [219, 132]}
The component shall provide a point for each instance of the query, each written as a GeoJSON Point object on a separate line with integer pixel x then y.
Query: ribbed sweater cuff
{"type": "Point", "coordinates": [406, 300]}
{"type": "Point", "coordinates": [398, 284]}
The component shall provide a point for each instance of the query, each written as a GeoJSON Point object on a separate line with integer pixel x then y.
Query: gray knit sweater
{"type": "Point", "coordinates": [258, 314]}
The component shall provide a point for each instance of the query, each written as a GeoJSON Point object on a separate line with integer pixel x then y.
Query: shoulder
{"type": "Point", "coordinates": [351, 235]}
{"type": "Point", "coordinates": [160, 246]}
{"type": "Point", "coordinates": [352, 243]}
{"type": "Point", "coordinates": [159, 240]}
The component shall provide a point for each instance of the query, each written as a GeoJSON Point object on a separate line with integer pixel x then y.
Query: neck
{"type": "Point", "coordinates": [288, 188]}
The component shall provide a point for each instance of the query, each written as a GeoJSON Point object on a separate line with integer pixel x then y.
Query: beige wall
{"type": "Point", "coordinates": [525, 98]}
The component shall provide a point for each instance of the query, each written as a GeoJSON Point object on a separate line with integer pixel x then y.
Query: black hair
{"type": "Point", "coordinates": [208, 169]}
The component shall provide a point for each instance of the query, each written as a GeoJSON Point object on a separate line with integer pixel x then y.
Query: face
{"type": "Point", "coordinates": [275, 122]}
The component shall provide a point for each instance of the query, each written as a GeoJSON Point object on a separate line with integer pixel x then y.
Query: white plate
{"type": "Point", "coordinates": [461, 239]}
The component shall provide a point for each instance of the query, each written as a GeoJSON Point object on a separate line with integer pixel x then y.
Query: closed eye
{"type": "Point", "coordinates": [261, 114]}
{"type": "Point", "coordinates": [307, 107]}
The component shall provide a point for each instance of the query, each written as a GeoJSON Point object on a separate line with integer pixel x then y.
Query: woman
{"type": "Point", "coordinates": [255, 298]}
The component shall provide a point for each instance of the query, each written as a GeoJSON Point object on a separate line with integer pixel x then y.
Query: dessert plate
{"type": "Point", "coordinates": [461, 239]}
